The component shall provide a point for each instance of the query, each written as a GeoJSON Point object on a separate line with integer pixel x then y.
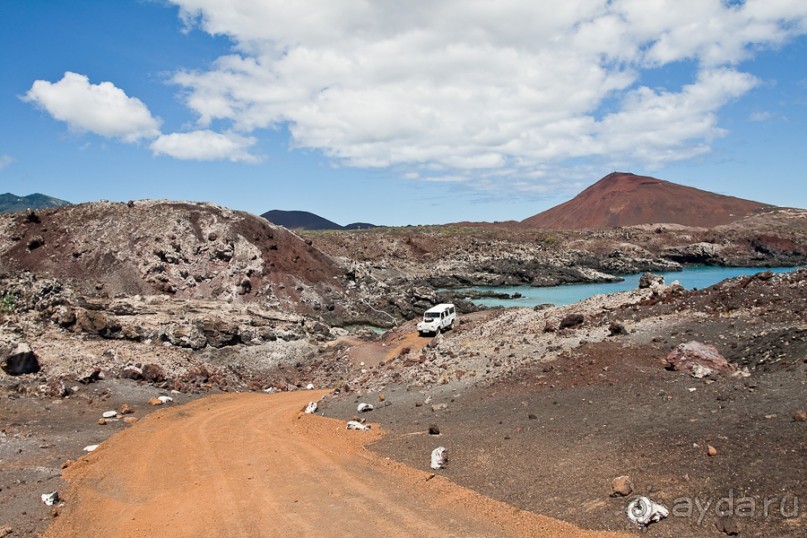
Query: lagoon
{"type": "Point", "coordinates": [690, 278]}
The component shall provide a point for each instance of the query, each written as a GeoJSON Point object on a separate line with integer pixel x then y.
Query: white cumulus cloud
{"type": "Point", "coordinates": [102, 109]}
{"type": "Point", "coordinates": [458, 89]}
{"type": "Point", "coordinates": [205, 145]}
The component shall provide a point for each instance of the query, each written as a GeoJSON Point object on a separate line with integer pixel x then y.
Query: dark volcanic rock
{"type": "Point", "coordinates": [616, 328]}
{"type": "Point", "coordinates": [571, 321]}
{"type": "Point", "coordinates": [19, 360]}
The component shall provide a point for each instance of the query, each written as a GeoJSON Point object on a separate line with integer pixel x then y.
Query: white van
{"type": "Point", "coordinates": [437, 319]}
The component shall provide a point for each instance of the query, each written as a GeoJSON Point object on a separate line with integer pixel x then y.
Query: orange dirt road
{"type": "Point", "coordinates": [254, 465]}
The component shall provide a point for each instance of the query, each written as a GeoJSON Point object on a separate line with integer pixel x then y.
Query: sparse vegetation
{"type": "Point", "coordinates": [8, 304]}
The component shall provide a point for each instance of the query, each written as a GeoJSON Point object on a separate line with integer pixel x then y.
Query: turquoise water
{"type": "Point", "coordinates": [691, 278]}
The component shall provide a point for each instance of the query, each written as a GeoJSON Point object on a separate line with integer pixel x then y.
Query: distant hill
{"type": "Point", "coordinates": [624, 199]}
{"type": "Point", "coordinates": [359, 226]}
{"type": "Point", "coordinates": [11, 203]}
{"type": "Point", "coordinates": [304, 220]}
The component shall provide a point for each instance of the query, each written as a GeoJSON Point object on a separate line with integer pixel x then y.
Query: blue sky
{"type": "Point", "coordinates": [428, 112]}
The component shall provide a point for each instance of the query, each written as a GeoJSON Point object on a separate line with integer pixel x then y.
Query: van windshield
{"type": "Point", "coordinates": [431, 315]}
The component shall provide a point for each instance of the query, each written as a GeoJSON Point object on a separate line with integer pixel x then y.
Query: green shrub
{"type": "Point", "coordinates": [8, 304]}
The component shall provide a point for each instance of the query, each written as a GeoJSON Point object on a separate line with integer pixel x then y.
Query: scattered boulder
{"type": "Point", "coordinates": [50, 498]}
{"type": "Point", "coordinates": [621, 486]}
{"type": "Point", "coordinates": [96, 322]}
{"type": "Point", "coordinates": [356, 425]}
{"type": "Point", "coordinates": [800, 416]}
{"type": "Point", "coordinates": [20, 360]}
{"type": "Point", "coordinates": [711, 451]}
{"type": "Point", "coordinates": [130, 420]}
{"type": "Point", "coordinates": [439, 457]}
{"type": "Point", "coordinates": [153, 373]}
{"type": "Point", "coordinates": [35, 243]}
{"type": "Point", "coordinates": [125, 409]}
{"type": "Point", "coordinates": [648, 280]}
{"type": "Point", "coordinates": [155, 401]}
{"type": "Point", "coordinates": [571, 321]}
{"type": "Point", "coordinates": [92, 377]}
{"type": "Point", "coordinates": [364, 407]}
{"type": "Point", "coordinates": [642, 511]}
{"type": "Point", "coordinates": [311, 408]}
{"type": "Point", "coordinates": [698, 359]}
{"type": "Point", "coordinates": [54, 388]}
{"type": "Point", "coordinates": [436, 341]}
{"type": "Point", "coordinates": [616, 328]}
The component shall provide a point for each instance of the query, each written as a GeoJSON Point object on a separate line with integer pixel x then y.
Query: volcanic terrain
{"type": "Point", "coordinates": [106, 306]}
{"type": "Point", "coordinates": [623, 199]}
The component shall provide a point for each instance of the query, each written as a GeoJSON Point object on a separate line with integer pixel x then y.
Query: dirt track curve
{"type": "Point", "coordinates": [254, 465]}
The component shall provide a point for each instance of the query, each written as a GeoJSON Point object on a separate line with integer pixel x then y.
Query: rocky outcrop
{"type": "Point", "coordinates": [697, 253]}
{"type": "Point", "coordinates": [185, 250]}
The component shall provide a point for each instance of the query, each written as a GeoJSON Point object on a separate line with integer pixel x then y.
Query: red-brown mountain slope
{"type": "Point", "coordinates": [623, 199]}
{"type": "Point", "coordinates": [183, 249]}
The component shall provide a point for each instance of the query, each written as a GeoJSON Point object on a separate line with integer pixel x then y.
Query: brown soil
{"type": "Point", "coordinates": [567, 411]}
{"type": "Point", "coordinates": [249, 465]}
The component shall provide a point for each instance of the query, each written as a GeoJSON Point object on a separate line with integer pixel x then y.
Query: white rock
{"type": "Point", "coordinates": [110, 414]}
{"type": "Point", "coordinates": [699, 372]}
{"type": "Point", "coordinates": [356, 425]}
{"type": "Point", "coordinates": [311, 408]}
{"type": "Point", "coordinates": [643, 511]}
{"type": "Point", "coordinates": [439, 457]}
{"type": "Point", "coordinates": [90, 448]}
{"type": "Point", "coordinates": [50, 498]}
{"type": "Point", "coordinates": [310, 386]}
{"type": "Point", "coordinates": [363, 407]}
{"type": "Point", "coordinates": [165, 399]}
